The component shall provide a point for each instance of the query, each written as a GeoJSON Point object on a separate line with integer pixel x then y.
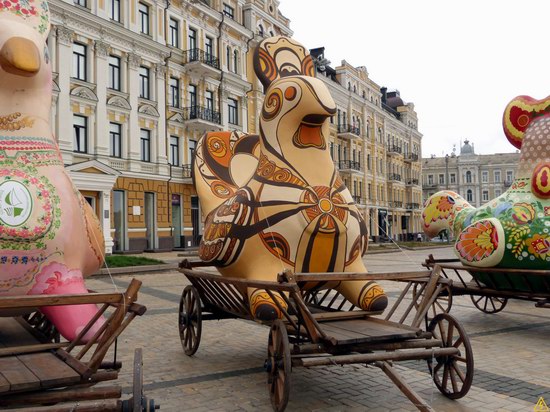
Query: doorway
{"type": "Point", "coordinates": [176, 220]}
{"type": "Point", "coordinates": [150, 220]}
{"type": "Point", "coordinates": [195, 220]}
{"type": "Point", "coordinates": [119, 217]}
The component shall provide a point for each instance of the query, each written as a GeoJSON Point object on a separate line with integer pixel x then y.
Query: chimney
{"type": "Point", "coordinates": [384, 91]}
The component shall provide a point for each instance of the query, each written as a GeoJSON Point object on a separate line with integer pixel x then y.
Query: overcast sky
{"type": "Point", "coordinates": [459, 62]}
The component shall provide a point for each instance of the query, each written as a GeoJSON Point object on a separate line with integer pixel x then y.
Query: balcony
{"type": "Point", "coordinates": [181, 172]}
{"type": "Point", "coordinates": [412, 182]}
{"type": "Point", "coordinates": [359, 200]}
{"type": "Point", "coordinates": [411, 157]}
{"type": "Point", "coordinates": [395, 204]}
{"type": "Point", "coordinates": [349, 166]}
{"type": "Point", "coordinates": [394, 150]}
{"type": "Point", "coordinates": [394, 177]}
{"type": "Point", "coordinates": [413, 206]}
{"type": "Point", "coordinates": [346, 131]}
{"type": "Point", "coordinates": [200, 62]}
{"type": "Point", "coordinates": [202, 118]}
{"type": "Point", "coordinates": [508, 183]}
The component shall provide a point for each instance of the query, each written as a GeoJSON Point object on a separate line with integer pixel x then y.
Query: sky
{"type": "Point", "coordinates": [459, 62]}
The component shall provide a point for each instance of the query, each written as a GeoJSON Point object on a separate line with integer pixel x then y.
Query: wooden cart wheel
{"type": "Point", "coordinates": [138, 402]}
{"type": "Point", "coordinates": [190, 320]}
{"type": "Point", "coordinates": [489, 304]}
{"type": "Point", "coordinates": [442, 304]}
{"type": "Point", "coordinates": [452, 375]}
{"type": "Point", "coordinates": [278, 366]}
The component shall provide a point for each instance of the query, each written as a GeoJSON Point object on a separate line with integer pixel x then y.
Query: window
{"type": "Point", "coordinates": [192, 95]}
{"type": "Point", "coordinates": [261, 30]}
{"type": "Point", "coordinates": [174, 92]}
{"type": "Point", "coordinates": [228, 57]}
{"type": "Point", "coordinates": [192, 38]}
{"type": "Point", "coordinates": [191, 147]}
{"type": "Point", "coordinates": [430, 179]}
{"type": "Point", "coordinates": [497, 176]}
{"type": "Point", "coordinates": [174, 33]}
{"type": "Point", "coordinates": [485, 196]}
{"type": "Point", "coordinates": [80, 3]}
{"type": "Point", "coordinates": [174, 151]}
{"type": "Point", "coordinates": [143, 11]}
{"type": "Point", "coordinates": [144, 79]}
{"type": "Point", "coordinates": [484, 176]}
{"type": "Point", "coordinates": [114, 73]}
{"type": "Point", "coordinates": [115, 134]}
{"type": "Point", "coordinates": [453, 178]}
{"type": "Point", "coordinates": [79, 61]}
{"type": "Point", "coordinates": [114, 10]}
{"type": "Point", "coordinates": [209, 97]}
{"type": "Point", "coordinates": [469, 195]}
{"type": "Point", "coordinates": [235, 61]}
{"type": "Point", "coordinates": [498, 192]}
{"type": "Point", "coordinates": [509, 176]}
{"type": "Point", "coordinates": [145, 137]}
{"type": "Point", "coordinates": [441, 179]}
{"type": "Point", "coordinates": [468, 177]}
{"type": "Point", "coordinates": [80, 134]}
{"type": "Point", "coordinates": [228, 11]}
{"type": "Point", "coordinates": [232, 106]}
{"type": "Point", "coordinates": [209, 48]}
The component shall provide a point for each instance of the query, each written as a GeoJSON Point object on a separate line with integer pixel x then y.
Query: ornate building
{"type": "Point", "coordinates": [376, 144]}
{"type": "Point", "coordinates": [136, 83]}
{"type": "Point", "coordinates": [477, 178]}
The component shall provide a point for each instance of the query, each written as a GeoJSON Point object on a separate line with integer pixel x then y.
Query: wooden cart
{"type": "Point", "coordinates": [499, 285]}
{"type": "Point", "coordinates": [38, 368]}
{"type": "Point", "coordinates": [323, 328]}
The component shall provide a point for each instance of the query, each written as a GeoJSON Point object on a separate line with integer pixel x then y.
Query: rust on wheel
{"type": "Point", "coordinates": [453, 374]}
{"type": "Point", "coordinates": [489, 304]}
{"type": "Point", "coordinates": [278, 366]}
{"type": "Point", "coordinates": [190, 320]}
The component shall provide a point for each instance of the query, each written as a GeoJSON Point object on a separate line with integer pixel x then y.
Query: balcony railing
{"type": "Point", "coordinates": [412, 181]}
{"type": "Point", "coordinates": [413, 206]}
{"type": "Point", "coordinates": [201, 113]}
{"type": "Point", "coordinates": [359, 200]}
{"type": "Point", "coordinates": [348, 128]}
{"type": "Point", "coordinates": [187, 170]}
{"type": "Point", "coordinates": [198, 55]}
{"type": "Point", "coordinates": [395, 204]}
{"type": "Point", "coordinates": [394, 176]}
{"type": "Point", "coordinates": [394, 149]}
{"type": "Point", "coordinates": [349, 164]}
{"type": "Point", "coordinates": [413, 157]}
{"type": "Point", "coordinates": [508, 183]}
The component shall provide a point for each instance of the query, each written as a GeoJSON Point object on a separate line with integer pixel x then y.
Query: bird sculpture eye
{"type": "Point", "coordinates": [290, 93]}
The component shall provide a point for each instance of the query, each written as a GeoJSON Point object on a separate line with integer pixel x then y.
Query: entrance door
{"type": "Point", "coordinates": [119, 217]}
{"type": "Point", "coordinates": [150, 220]}
{"type": "Point", "coordinates": [195, 220]}
{"type": "Point", "coordinates": [176, 220]}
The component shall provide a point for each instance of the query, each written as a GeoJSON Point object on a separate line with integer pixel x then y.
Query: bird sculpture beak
{"type": "Point", "coordinates": [20, 56]}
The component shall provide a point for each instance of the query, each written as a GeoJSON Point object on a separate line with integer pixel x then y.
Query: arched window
{"type": "Point", "coordinates": [235, 61]}
{"type": "Point", "coordinates": [228, 57]}
{"type": "Point", "coordinates": [469, 195]}
{"type": "Point", "coordinates": [354, 89]}
{"type": "Point", "coordinates": [349, 86]}
{"type": "Point", "coordinates": [261, 30]}
{"type": "Point", "coordinates": [468, 177]}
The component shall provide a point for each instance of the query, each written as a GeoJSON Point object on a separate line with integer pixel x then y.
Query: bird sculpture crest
{"type": "Point", "coordinates": [513, 230]}
{"type": "Point", "coordinates": [50, 238]}
{"type": "Point", "coordinates": [275, 201]}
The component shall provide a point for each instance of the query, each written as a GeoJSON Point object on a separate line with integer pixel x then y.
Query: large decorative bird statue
{"type": "Point", "coordinates": [49, 236]}
{"type": "Point", "coordinates": [275, 201]}
{"type": "Point", "coordinates": [513, 230]}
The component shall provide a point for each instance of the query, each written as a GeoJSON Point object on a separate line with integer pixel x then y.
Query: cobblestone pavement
{"type": "Point", "coordinates": [511, 348]}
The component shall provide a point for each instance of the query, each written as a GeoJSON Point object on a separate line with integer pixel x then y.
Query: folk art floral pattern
{"type": "Point", "coordinates": [513, 230]}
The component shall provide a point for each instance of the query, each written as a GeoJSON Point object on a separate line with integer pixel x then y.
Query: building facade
{"type": "Point", "coordinates": [376, 145]}
{"type": "Point", "coordinates": [477, 178]}
{"type": "Point", "coordinates": [136, 83]}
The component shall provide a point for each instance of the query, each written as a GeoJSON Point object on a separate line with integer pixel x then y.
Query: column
{"type": "Point", "coordinates": [102, 122]}
{"type": "Point", "coordinates": [134, 149]}
{"type": "Point", "coordinates": [64, 112]}
{"type": "Point", "coordinates": [162, 159]}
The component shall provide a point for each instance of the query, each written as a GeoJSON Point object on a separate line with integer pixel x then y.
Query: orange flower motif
{"type": "Point", "coordinates": [477, 242]}
{"type": "Point", "coordinates": [539, 246]}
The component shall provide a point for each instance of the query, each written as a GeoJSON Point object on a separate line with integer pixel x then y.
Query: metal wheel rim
{"type": "Point", "coordinates": [489, 304]}
{"type": "Point", "coordinates": [190, 320]}
{"type": "Point", "coordinates": [278, 378]}
{"type": "Point", "coordinates": [453, 375]}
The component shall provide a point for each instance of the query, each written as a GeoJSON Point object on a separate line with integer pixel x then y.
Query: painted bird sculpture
{"type": "Point", "coordinates": [275, 201]}
{"type": "Point", "coordinates": [49, 236]}
{"type": "Point", "coordinates": [513, 230]}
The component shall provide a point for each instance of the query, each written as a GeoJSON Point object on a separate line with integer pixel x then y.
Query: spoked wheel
{"type": "Point", "coordinates": [278, 366]}
{"type": "Point", "coordinates": [190, 320]}
{"type": "Point", "coordinates": [452, 375]}
{"type": "Point", "coordinates": [442, 304]}
{"type": "Point", "coordinates": [489, 304]}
